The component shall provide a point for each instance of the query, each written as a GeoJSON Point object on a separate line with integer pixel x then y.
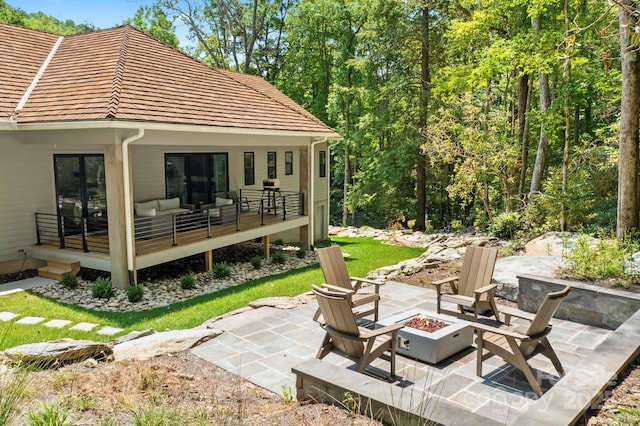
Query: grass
{"type": "Point", "coordinates": [365, 254]}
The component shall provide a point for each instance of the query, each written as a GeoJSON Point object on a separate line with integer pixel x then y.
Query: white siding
{"type": "Point", "coordinates": [26, 187]}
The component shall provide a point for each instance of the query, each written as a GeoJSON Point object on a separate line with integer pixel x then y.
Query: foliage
{"type": "Point", "coordinates": [256, 262]}
{"type": "Point", "coordinates": [599, 260]}
{"type": "Point", "coordinates": [221, 270]}
{"type": "Point", "coordinates": [279, 242]}
{"type": "Point", "coordinates": [187, 281]}
{"type": "Point", "coordinates": [13, 390]}
{"type": "Point", "coordinates": [301, 253]}
{"type": "Point", "coordinates": [49, 415]}
{"type": "Point", "coordinates": [279, 258]}
{"type": "Point", "coordinates": [506, 225]}
{"type": "Point", "coordinates": [102, 288]}
{"type": "Point", "coordinates": [40, 21]}
{"type": "Point", "coordinates": [135, 293]}
{"type": "Point", "coordinates": [154, 21]}
{"type": "Point", "coordinates": [69, 280]}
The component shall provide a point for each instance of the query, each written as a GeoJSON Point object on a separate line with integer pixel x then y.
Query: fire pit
{"type": "Point", "coordinates": [430, 337]}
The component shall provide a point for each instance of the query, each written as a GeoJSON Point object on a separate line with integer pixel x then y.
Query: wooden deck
{"type": "Point", "coordinates": [99, 242]}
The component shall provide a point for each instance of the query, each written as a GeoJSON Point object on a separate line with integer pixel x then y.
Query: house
{"type": "Point", "coordinates": [120, 152]}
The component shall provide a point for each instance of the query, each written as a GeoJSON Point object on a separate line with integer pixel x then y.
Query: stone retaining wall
{"type": "Point", "coordinates": [587, 304]}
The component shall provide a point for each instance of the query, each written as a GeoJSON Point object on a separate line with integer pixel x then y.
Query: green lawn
{"type": "Point", "coordinates": [366, 254]}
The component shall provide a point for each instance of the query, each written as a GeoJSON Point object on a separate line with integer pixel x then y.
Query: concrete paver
{"type": "Point", "coordinates": [30, 320]}
{"type": "Point", "coordinates": [7, 316]}
{"type": "Point", "coordinates": [109, 331]}
{"type": "Point", "coordinates": [84, 326]}
{"type": "Point", "coordinates": [57, 323]}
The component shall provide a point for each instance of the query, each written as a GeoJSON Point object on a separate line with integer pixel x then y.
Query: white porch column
{"type": "Point", "coordinates": [115, 212]}
{"type": "Point", "coordinates": [305, 168]}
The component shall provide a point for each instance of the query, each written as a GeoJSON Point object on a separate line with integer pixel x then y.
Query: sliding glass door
{"type": "Point", "coordinates": [81, 190]}
{"type": "Point", "coordinates": [197, 178]}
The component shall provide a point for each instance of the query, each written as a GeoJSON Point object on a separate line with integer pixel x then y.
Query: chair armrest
{"type": "Point", "coordinates": [357, 282]}
{"type": "Point", "coordinates": [338, 289]}
{"type": "Point", "coordinates": [380, 331]}
{"type": "Point", "coordinates": [485, 289]}
{"type": "Point", "coordinates": [439, 283]}
{"type": "Point", "coordinates": [511, 312]}
{"type": "Point", "coordinates": [502, 331]}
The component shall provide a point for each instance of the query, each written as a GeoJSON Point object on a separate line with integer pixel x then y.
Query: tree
{"type": "Point", "coordinates": [153, 21]}
{"type": "Point", "coordinates": [627, 221]}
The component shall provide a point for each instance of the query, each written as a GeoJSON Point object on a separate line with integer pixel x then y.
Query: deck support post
{"type": "Point", "coordinates": [208, 260]}
{"type": "Point", "coordinates": [266, 242]}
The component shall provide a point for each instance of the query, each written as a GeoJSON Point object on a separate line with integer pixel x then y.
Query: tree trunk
{"type": "Point", "coordinates": [567, 125]}
{"type": "Point", "coordinates": [421, 159]}
{"type": "Point", "coordinates": [627, 220]}
{"type": "Point", "coordinates": [523, 128]}
{"type": "Point", "coordinates": [543, 143]}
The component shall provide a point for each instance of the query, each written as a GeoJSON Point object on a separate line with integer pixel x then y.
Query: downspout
{"type": "Point", "coordinates": [127, 202]}
{"type": "Point", "coordinates": [312, 184]}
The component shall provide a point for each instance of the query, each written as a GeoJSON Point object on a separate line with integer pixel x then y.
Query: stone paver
{"type": "Point", "coordinates": [57, 323]}
{"type": "Point", "coordinates": [30, 320]}
{"type": "Point", "coordinates": [109, 331]}
{"type": "Point", "coordinates": [7, 316]}
{"type": "Point", "coordinates": [84, 326]}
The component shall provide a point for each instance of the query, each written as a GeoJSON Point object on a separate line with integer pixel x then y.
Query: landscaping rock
{"type": "Point", "coordinates": [278, 302]}
{"type": "Point", "coordinates": [163, 343]}
{"type": "Point", "coordinates": [61, 350]}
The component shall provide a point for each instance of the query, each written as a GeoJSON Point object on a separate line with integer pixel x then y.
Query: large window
{"type": "Point", "coordinates": [197, 178]}
{"type": "Point", "coordinates": [249, 168]}
{"type": "Point", "coordinates": [271, 165]}
{"type": "Point", "coordinates": [288, 162]}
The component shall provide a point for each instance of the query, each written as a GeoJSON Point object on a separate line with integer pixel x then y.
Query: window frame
{"type": "Point", "coordinates": [249, 170]}
{"type": "Point", "coordinates": [322, 163]}
{"type": "Point", "coordinates": [288, 163]}
{"type": "Point", "coordinates": [272, 165]}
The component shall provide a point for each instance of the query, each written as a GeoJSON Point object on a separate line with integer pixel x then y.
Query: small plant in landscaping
{"type": "Point", "coordinates": [279, 242]}
{"type": "Point", "coordinates": [135, 293]}
{"type": "Point", "coordinates": [187, 281]}
{"type": "Point", "coordinates": [278, 257]}
{"type": "Point", "coordinates": [221, 270]}
{"type": "Point", "coordinates": [69, 280]}
{"type": "Point", "coordinates": [256, 262]}
{"type": "Point", "coordinates": [102, 288]}
{"type": "Point", "coordinates": [301, 254]}
{"type": "Point", "coordinates": [49, 415]}
{"type": "Point", "coordinates": [287, 394]}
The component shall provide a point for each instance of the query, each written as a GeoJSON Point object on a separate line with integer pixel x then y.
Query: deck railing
{"type": "Point", "coordinates": [80, 233]}
{"type": "Point", "coordinates": [160, 232]}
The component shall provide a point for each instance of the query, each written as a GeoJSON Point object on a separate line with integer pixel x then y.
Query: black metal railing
{"type": "Point", "coordinates": [80, 233]}
{"type": "Point", "coordinates": [273, 201]}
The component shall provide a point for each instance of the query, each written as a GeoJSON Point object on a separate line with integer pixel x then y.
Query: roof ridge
{"type": "Point", "coordinates": [36, 79]}
{"type": "Point", "coordinates": [227, 73]}
{"type": "Point", "coordinates": [116, 87]}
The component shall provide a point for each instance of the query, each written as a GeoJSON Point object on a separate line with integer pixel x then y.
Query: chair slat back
{"type": "Point", "coordinates": [547, 309]}
{"type": "Point", "coordinates": [337, 314]}
{"type": "Point", "coordinates": [333, 266]}
{"type": "Point", "coordinates": [477, 269]}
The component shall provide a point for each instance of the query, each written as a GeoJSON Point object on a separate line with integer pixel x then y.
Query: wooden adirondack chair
{"type": "Point", "coordinates": [472, 289]}
{"type": "Point", "coordinates": [516, 348]}
{"type": "Point", "coordinates": [344, 335]}
{"type": "Point", "coordinates": [335, 272]}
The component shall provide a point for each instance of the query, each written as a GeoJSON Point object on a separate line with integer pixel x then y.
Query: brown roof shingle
{"type": "Point", "coordinates": [123, 74]}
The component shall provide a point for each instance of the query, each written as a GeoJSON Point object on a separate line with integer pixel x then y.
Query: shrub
{"type": "Point", "coordinates": [187, 281]}
{"type": "Point", "coordinates": [102, 288]}
{"type": "Point", "coordinates": [301, 253]}
{"type": "Point", "coordinates": [279, 242]}
{"type": "Point", "coordinates": [69, 280]}
{"type": "Point", "coordinates": [506, 225]}
{"type": "Point", "coordinates": [256, 262]}
{"type": "Point", "coordinates": [135, 293]}
{"type": "Point", "coordinates": [221, 270]}
{"type": "Point", "coordinates": [278, 257]}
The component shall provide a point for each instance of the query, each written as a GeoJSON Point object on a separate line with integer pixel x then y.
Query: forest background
{"type": "Point", "coordinates": [515, 117]}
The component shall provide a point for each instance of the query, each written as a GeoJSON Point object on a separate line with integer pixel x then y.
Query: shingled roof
{"type": "Point", "coordinates": [124, 74]}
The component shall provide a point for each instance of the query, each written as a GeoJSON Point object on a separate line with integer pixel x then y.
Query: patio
{"type": "Point", "coordinates": [264, 345]}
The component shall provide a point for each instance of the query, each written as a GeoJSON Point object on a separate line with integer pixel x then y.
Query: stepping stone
{"type": "Point", "coordinates": [57, 323]}
{"type": "Point", "coordinates": [84, 326]}
{"type": "Point", "coordinates": [7, 316]}
{"type": "Point", "coordinates": [30, 320]}
{"type": "Point", "coordinates": [109, 331]}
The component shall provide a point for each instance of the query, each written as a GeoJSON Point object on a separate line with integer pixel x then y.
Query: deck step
{"type": "Point", "coordinates": [56, 267]}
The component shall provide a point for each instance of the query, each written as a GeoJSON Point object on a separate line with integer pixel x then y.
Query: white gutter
{"type": "Point", "coordinates": [312, 202]}
{"type": "Point", "coordinates": [128, 220]}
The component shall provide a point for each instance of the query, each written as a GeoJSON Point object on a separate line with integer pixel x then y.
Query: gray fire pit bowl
{"type": "Point", "coordinates": [430, 347]}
